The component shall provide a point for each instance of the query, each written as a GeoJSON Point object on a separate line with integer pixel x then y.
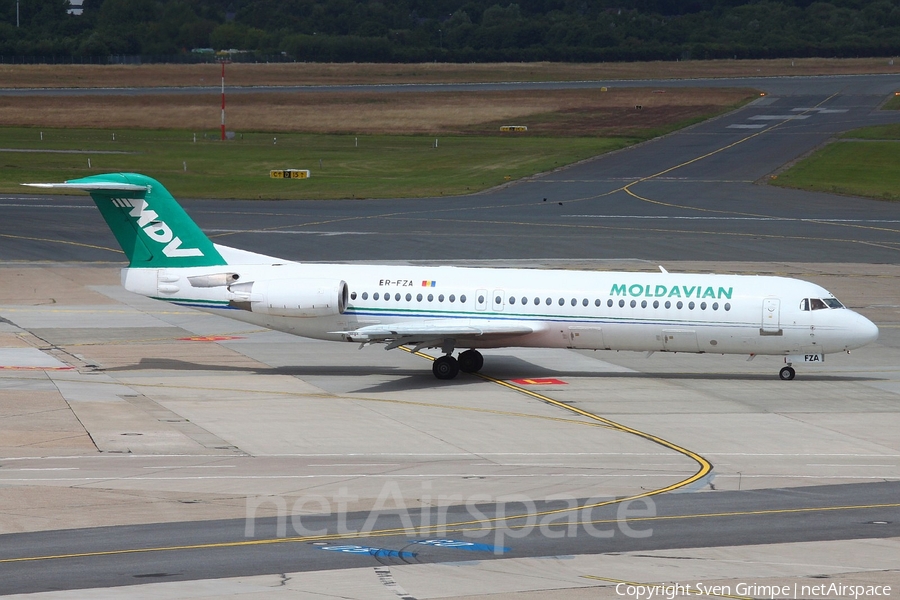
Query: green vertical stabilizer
{"type": "Point", "coordinates": [150, 226]}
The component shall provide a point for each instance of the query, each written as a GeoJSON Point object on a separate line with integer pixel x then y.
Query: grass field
{"type": "Point", "coordinates": [556, 113]}
{"type": "Point", "coordinates": [396, 133]}
{"type": "Point", "coordinates": [380, 166]}
{"type": "Point", "coordinates": [865, 162]}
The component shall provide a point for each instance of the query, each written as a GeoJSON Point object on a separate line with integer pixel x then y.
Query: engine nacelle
{"type": "Point", "coordinates": [291, 297]}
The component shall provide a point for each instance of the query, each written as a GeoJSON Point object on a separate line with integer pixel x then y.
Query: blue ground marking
{"type": "Point", "coordinates": [461, 545]}
{"type": "Point", "coordinates": [377, 552]}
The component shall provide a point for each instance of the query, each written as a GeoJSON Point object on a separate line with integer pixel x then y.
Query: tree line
{"type": "Point", "coordinates": [451, 30]}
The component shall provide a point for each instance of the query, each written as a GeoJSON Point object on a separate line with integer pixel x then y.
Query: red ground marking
{"type": "Point", "coordinates": [210, 338]}
{"type": "Point", "coordinates": [539, 381]}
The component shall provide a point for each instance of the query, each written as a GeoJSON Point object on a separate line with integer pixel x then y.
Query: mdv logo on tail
{"type": "Point", "coordinates": [155, 229]}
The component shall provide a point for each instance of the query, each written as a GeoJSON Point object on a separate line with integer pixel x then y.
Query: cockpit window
{"type": "Point", "coordinates": [819, 303]}
{"type": "Point", "coordinates": [816, 304]}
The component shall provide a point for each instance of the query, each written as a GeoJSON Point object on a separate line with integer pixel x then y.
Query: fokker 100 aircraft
{"type": "Point", "coordinates": [452, 308]}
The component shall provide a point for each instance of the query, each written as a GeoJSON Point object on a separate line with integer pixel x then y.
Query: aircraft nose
{"type": "Point", "coordinates": [865, 331]}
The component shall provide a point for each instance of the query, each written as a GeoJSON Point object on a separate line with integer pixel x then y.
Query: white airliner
{"type": "Point", "coordinates": [452, 308]}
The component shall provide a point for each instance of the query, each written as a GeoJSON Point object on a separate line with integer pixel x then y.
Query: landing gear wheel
{"type": "Point", "coordinates": [787, 373]}
{"type": "Point", "coordinates": [445, 367]}
{"type": "Point", "coordinates": [470, 361]}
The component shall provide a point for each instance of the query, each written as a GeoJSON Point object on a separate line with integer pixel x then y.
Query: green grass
{"type": "Point", "coordinates": [893, 103]}
{"type": "Point", "coordinates": [875, 132]}
{"type": "Point", "coordinates": [865, 163]}
{"type": "Point", "coordinates": [380, 167]}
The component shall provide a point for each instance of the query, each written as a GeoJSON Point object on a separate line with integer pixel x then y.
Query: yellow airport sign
{"type": "Point", "coordinates": [289, 174]}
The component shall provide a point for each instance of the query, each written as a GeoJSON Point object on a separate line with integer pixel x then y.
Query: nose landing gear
{"type": "Point", "coordinates": [787, 373]}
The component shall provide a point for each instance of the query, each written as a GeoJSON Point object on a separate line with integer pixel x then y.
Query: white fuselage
{"type": "Point", "coordinates": [726, 314]}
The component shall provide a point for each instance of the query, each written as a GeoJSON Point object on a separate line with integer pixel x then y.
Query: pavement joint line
{"type": "Point", "coordinates": [331, 397]}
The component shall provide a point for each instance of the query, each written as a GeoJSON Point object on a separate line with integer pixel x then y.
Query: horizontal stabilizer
{"type": "Point", "coordinates": [92, 186]}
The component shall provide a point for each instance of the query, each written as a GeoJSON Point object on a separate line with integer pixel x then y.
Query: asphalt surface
{"type": "Point", "coordinates": [119, 556]}
{"type": "Point", "coordinates": [693, 195]}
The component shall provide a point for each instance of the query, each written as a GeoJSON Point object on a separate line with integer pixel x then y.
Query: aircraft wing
{"type": "Point", "coordinates": [432, 334]}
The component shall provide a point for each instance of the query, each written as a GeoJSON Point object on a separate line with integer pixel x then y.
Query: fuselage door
{"type": "Point", "coordinates": [499, 300]}
{"type": "Point", "coordinates": [680, 340]}
{"type": "Point", "coordinates": [771, 317]}
{"type": "Point", "coordinates": [481, 300]}
{"type": "Point", "coordinates": [588, 338]}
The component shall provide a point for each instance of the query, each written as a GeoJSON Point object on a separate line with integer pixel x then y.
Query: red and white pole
{"type": "Point", "coordinates": [223, 100]}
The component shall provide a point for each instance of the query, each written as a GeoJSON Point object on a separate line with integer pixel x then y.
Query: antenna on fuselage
{"type": "Point", "coordinates": [663, 270]}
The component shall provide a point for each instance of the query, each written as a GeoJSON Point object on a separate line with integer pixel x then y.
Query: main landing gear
{"type": "Point", "coordinates": [787, 373]}
{"type": "Point", "coordinates": [447, 367]}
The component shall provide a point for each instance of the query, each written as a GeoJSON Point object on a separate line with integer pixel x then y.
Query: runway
{"type": "Point", "coordinates": [142, 440]}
